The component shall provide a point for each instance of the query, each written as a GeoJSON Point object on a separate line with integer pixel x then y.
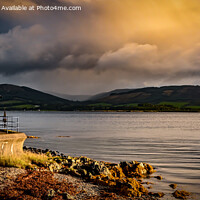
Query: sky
{"type": "Point", "coordinates": [109, 44]}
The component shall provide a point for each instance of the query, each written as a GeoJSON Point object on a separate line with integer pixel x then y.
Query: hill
{"type": "Point", "coordinates": [190, 94]}
{"type": "Point", "coordinates": [16, 98]}
{"type": "Point", "coordinates": [169, 98]}
{"type": "Point", "coordinates": [106, 94]}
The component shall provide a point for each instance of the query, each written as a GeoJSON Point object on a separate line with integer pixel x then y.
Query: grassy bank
{"type": "Point", "coordinates": [24, 161]}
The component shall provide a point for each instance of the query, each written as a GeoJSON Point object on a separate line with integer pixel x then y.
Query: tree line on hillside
{"type": "Point", "coordinates": [148, 107]}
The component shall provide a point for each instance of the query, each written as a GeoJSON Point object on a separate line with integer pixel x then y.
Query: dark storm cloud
{"type": "Point", "coordinates": [35, 48]}
{"type": "Point", "coordinates": [6, 24]}
{"type": "Point", "coordinates": [25, 50]}
{"type": "Point", "coordinates": [46, 41]}
{"type": "Point", "coordinates": [115, 43]}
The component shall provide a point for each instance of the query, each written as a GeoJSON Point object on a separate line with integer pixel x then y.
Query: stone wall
{"type": "Point", "coordinates": [11, 143]}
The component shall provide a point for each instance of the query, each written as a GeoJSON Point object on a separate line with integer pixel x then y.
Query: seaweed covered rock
{"type": "Point", "coordinates": [120, 178]}
{"type": "Point", "coordinates": [54, 167]}
{"type": "Point", "coordinates": [134, 169]}
{"type": "Point", "coordinates": [173, 186]}
{"type": "Point", "coordinates": [181, 194]}
{"type": "Point", "coordinates": [130, 187]}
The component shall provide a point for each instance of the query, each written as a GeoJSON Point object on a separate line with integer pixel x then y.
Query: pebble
{"type": "Point", "coordinates": [51, 193]}
{"type": "Point", "coordinates": [173, 186]}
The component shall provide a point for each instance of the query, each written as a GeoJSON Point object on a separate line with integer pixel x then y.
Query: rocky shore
{"type": "Point", "coordinates": [119, 178]}
{"type": "Point", "coordinates": [66, 177]}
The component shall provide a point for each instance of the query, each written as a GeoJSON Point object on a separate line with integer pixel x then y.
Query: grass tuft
{"type": "Point", "coordinates": [26, 160]}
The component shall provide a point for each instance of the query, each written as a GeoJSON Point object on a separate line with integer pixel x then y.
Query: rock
{"type": "Point", "coordinates": [181, 194]}
{"type": "Point", "coordinates": [84, 159]}
{"type": "Point", "coordinates": [157, 194]}
{"type": "Point", "coordinates": [60, 136]}
{"type": "Point", "coordinates": [46, 150]}
{"type": "Point", "coordinates": [39, 151]}
{"type": "Point", "coordinates": [119, 177]}
{"type": "Point", "coordinates": [140, 169]}
{"type": "Point", "coordinates": [53, 153]}
{"type": "Point", "coordinates": [50, 193]}
{"type": "Point", "coordinates": [54, 167]}
{"type": "Point", "coordinates": [75, 172]}
{"type": "Point", "coordinates": [51, 168]}
{"type": "Point", "coordinates": [62, 155]}
{"type": "Point", "coordinates": [58, 160]}
{"type": "Point", "coordinates": [90, 176]}
{"type": "Point", "coordinates": [32, 137]}
{"type": "Point", "coordinates": [141, 165]}
{"type": "Point", "coordinates": [124, 164]}
{"type": "Point", "coordinates": [105, 171]}
{"type": "Point", "coordinates": [149, 168]}
{"type": "Point", "coordinates": [117, 172]}
{"type": "Point", "coordinates": [133, 169]}
{"type": "Point", "coordinates": [71, 162]}
{"type": "Point", "coordinates": [132, 162]}
{"type": "Point", "coordinates": [160, 194]}
{"type": "Point", "coordinates": [67, 196]}
{"type": "Point", "coordinates": [69, 157]}
{"type": "Point", "coordinates": [131, 188]}
{"type": "Point", "coordinates": [173, 186]}
{"type": "Point", "coordinates": [83, 172]}
{"type": "Point", "coordinates": [159, 177]}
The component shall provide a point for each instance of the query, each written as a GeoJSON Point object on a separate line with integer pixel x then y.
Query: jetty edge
{"type": "Point", "coordinates": [11, 142]}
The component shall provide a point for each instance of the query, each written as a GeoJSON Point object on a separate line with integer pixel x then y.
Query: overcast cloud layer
{"type": "Point", "coordinates": [107, 45]}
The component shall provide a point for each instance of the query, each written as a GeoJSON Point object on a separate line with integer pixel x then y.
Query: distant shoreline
{"type": "Point", "coordinates": [162, 99]}
{"type": "Point", "coordinates": [104, 111]}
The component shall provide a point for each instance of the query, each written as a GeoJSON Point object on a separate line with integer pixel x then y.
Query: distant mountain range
{"type": "Point", "coordinates": [88, 97]}
{"type": "Point", "coordinates": [106, 94]}
{"type": "Point", "coordinates": [166, 98]}
{"type": "Point", "coordinates": [154, 95]}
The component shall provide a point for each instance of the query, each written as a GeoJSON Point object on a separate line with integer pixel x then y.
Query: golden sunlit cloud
{"type": "Point", "coordinates": [126, 43]}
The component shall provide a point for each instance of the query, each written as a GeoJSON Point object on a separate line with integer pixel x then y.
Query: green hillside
{"type": "Point", "coordinates": [167, 98]}
{"type": "Point", "coordinates": [17, 98]}
{"type": "Point", "coordinates": [155, 95]}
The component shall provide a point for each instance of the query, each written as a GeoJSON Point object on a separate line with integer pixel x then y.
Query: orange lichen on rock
{"type": "Point", "coordinates": [32, 137]}
{"type": "Point", "coordinates": [119, 183]}
{"type": "Point", "coordinates": [157, 194]}
{"type": "Point", "coordinates": [173, 186]}
{"type": "Point", "coordinates": [181, 194]}
{"type": "Point", "coordinates": [134, 169]}
{"type": "Point", "coordinates": [116, 171]}
{"type": "Point", "coordinates": [130, 187]}
{"type": "Point", "coordinates": [159, 177]}
{"type": "Point", "coordinates": [120, 178]}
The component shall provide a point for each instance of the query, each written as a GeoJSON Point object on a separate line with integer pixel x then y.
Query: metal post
{"type": "Point", "coordinates": [5, 121]}
{"type": "Point", "coordinates": [9, 123]}
{"type": "Point", "coordinates": [17, 124]}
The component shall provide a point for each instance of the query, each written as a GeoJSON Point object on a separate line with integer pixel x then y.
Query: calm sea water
{"type": "Point", "coordinates": [168, 141]}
